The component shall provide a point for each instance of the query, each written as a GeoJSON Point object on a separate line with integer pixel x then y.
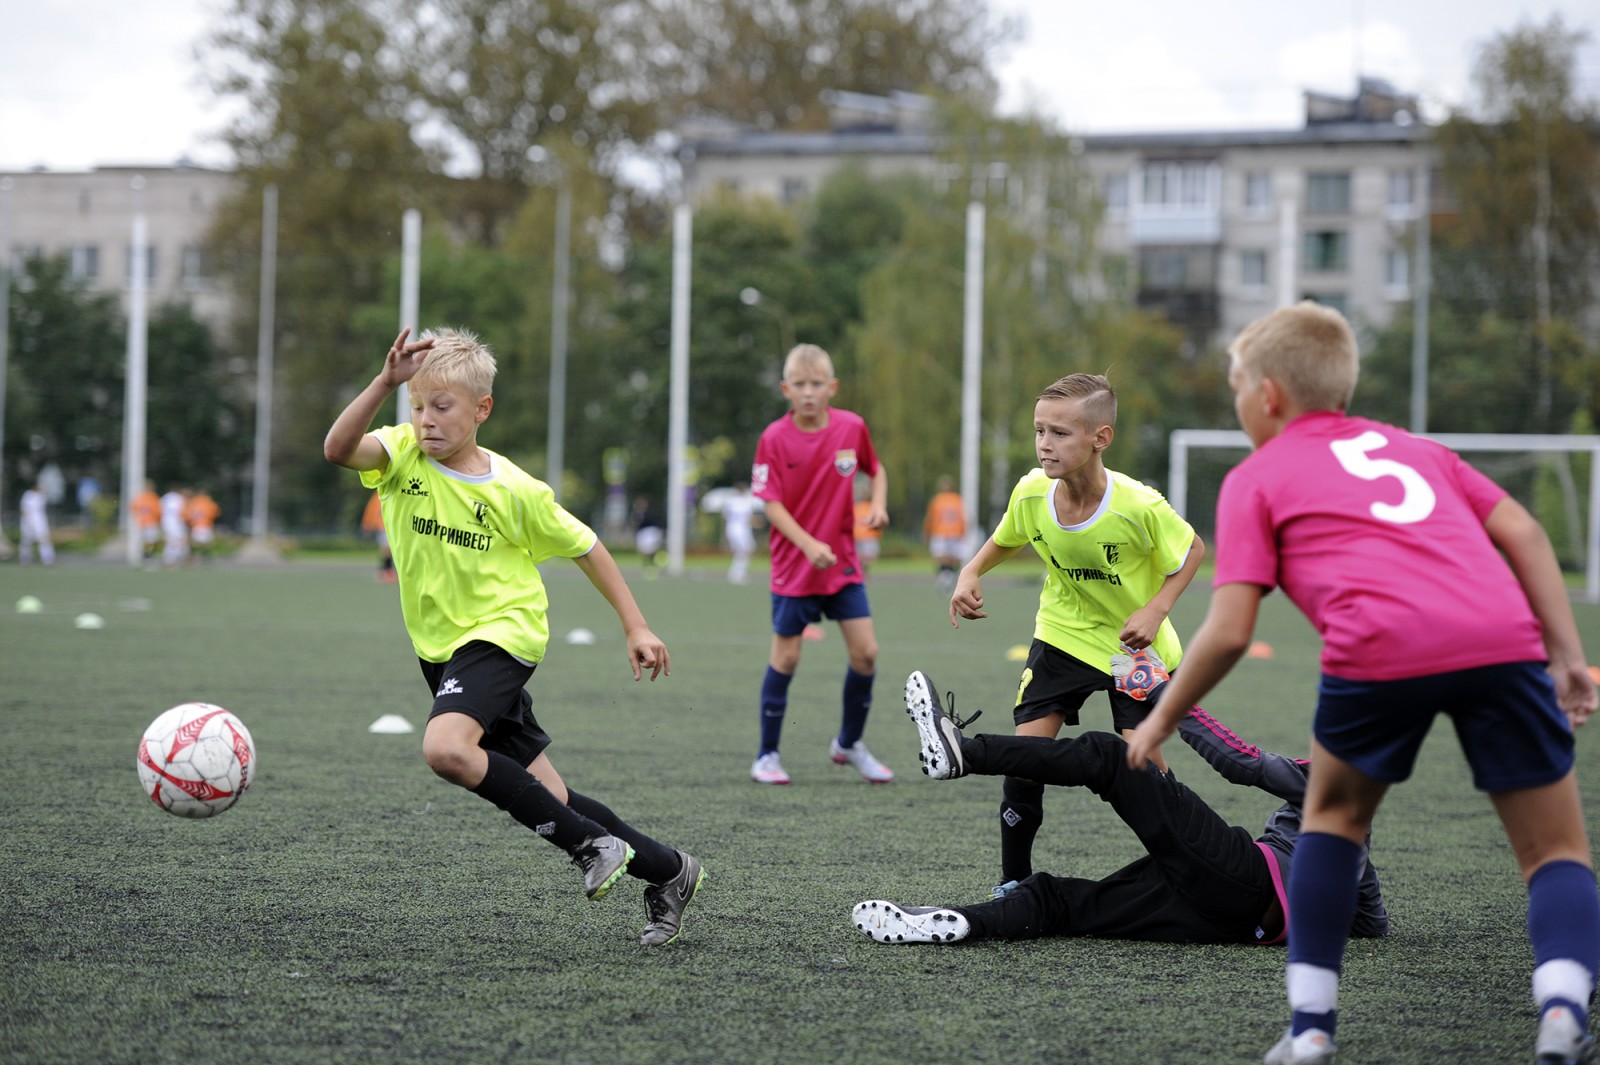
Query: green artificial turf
{"type": "Point", "coordinates": [354, 908]}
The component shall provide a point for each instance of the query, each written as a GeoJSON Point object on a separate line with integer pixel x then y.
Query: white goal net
{"type": "Point", "coordinates": [1556, 477]}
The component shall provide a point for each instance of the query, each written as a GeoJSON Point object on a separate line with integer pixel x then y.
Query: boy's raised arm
{"type": "Point", "coordinates": [347, 443]}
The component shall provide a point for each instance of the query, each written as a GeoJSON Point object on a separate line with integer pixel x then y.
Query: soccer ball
{"type": "Point", "coordinates": [195, 760]}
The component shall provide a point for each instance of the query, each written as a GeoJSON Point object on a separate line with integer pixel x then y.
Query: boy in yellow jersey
{"type": "Point", "coordinates": [468, 529]}
{"type": "Point", "coordinates": [1117, 556]}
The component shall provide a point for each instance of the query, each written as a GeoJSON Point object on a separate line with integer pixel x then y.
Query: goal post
{"type": "Point", "coordinates": [1527, 459]}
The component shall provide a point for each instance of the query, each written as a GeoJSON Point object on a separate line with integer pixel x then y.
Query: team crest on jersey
{"type": "Point", "coordinates": [844, 461]}
{"type": "Point", "coordinates": [480, 510]}
{"type": "Point", "coordinates": [414, 487]}
{"type": "Point", "coordinates": [758, 477]}
{"type": "Point", "coordinates": [1112, 553]}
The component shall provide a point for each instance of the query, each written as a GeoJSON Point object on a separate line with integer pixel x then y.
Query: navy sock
{"type": "Point", "coordinates": [653, 862]}
{"type": "Point", "coordinates": [857, 700]}
{"type": "Point", "coordinates": [1564, 921]}
{"type": "Point", "coordinates": [1322, 898]}
{"type": "Point", "coordinates": [774, 704]}
{"type": "Point", "coordinates": [516, 791]}
{"type": "Point", "coordinates": [1021, 814]}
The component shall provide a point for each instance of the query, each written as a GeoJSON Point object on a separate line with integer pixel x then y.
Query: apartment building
{"type": "Point", "coordinates": [88, 216]}
{"type": "Point", "coordinates": [1218, 228]}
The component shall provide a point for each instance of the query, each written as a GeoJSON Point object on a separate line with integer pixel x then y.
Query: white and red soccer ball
{"type": "Point", "coordinates": [195, 760]}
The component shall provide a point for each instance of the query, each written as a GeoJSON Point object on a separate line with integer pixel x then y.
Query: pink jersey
{"type": "Point", "coordinates": [813, 475]}
{"type": "Point", "coordinates": [1377, 536]}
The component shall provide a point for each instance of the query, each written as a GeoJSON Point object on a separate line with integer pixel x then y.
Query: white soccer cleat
{"type": "Point", "coordinates": [1311, 1047]}
{"type": "Point", "coordinates": [768, 770]}
{"type": "Point", "coordinates": [941, 737]}
{"type": "Point", "coordinates": [888, 923]}
{"type": "Point", "coordinates": [871, 770]}
{"type": "Point", "coordinates": [1561, 1041]}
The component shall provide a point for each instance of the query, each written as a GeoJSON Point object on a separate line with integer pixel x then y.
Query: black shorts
{"type": "Point", "coordinates": [1053, 682]}
{"type": "Point", "coordinates": [486, 683]}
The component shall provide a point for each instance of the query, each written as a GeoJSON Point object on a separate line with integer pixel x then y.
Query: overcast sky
{"type": "Point", "coordinates": [100, 82]}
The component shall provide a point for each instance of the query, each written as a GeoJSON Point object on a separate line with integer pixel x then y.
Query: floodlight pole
{"type": "Point", "coordinates": [410, 294]}
{"type": "Point", "coordinates": [678, 389]}
{"type": "Point", "coordinates": [1421, 289]}
{"type": "Point", "coordinates": [133, 416]}
{"type": "Point", "coordinates": [972, 364]}
{"type": "Point", "coordinates": [6, 184]}
{"type": "Point", "coordinates": [265, 327]}
{"type": "Point", "coordinates": [555, 445]}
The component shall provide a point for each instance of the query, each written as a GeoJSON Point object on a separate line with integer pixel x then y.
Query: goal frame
{"type": "Point", "coordinates": [1182, 441]}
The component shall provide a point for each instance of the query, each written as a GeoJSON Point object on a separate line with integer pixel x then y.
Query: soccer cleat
{"type": "Point", "coordinates": [1561, 1040]}
{"type": "Point", "coordinates": [1311, 1047]}
{"type": "Point", "coordinates": [1138, 673]}
{"type": "Point", "coordinates": [664, 903]}
{"type": "Point", "coordinates": [888, 923]}
{"type": "Point", "coordinates": [603, 860]}
{"type": "Point", "coordinates": [941, 735]}
{"type": "Point", "coordinates": [768, 770]}
{"type": "Point", "coordinates": [1002, 890]}
{"type": "Point", "coordinates": [871, 770]}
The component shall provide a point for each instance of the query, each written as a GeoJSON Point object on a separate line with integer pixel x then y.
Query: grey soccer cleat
{"type": "Point", "coordinates": [941, 735]}
{"type": "Point", "coordinates": [1561, 1041]}
{"type": "Point", "coordinates": [888, 923]}
{"type": "Point", "coordinates": [603, 860]}
{"type": "Point", "coordinates": [665, 903]}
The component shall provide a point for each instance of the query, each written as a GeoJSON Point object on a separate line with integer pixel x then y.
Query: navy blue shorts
{"type": "Point", "coordinates": [1056, 682]}
{"type": "Point", "coordinates": [792, 613]}
{"type": "Point", "coordinates": [1506, 717]}
{"type": "Point", "coordinates": [485, 682]}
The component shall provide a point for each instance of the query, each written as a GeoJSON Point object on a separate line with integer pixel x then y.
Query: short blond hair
{"type": "Point", "coordinates": [1309, 349]}
{"type": "Point", "coordinates": [1099, 399]}
{"type": "Point", "coordinates": [807, 355]}
{"type": "Point", "coordinates": [458, 359]}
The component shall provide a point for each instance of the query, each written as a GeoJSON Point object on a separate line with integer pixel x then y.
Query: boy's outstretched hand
{"type": "Point", "coordinates": [647, 651]}
{"type": "Point", "coordinates": [400, 364]}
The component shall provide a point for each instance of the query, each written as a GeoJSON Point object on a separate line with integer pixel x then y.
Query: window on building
{"type": "Point", "coordinates": [1258, 191]}
{"type": "Point", "coordinates": [1397, 274]}
{"type": "Point", "coordinates": [196, 266]}
{"type": "Point", "coordinates": [1339, 301]}
{"type": "Point", "coordinates": [1183, 184]}
{"type": "Point", "coordinates": [85, 201]}
{"type": "Point", "coordinates": [84, 261]}
{"type": "Point", "coordinates": [1402, 201]}
{"type": "Point", "coordinates": [1327, 251]}
{"type": "Point", "coordinates": [1116, 193]}
{"type": "Point", "coordinates": [1163, 268]}
{"type": "Point", "coordinates": [1328, 193]}
{"type": "Point", "coordinates": [149, 264]}
{"type": "Point", "coordinates": [1253, 270]}
{"type": "Point", "coordinates": [23, 255]}
{"type": "Point", "coordinates": [794, 190]}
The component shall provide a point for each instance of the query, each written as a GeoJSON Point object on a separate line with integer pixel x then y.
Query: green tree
{"type": "Point", "coordinates": [769, 62]}
{"type": "Point", "coordinates": [504, 75]}
{"type": "Point", "coordinates": [326, 121]}
{"type": "Point", "coordinates": [65, 377]}
{"type": "Point", "coordinates": [1520, 169]}
{"type": "Point", "coordinates": [66, 400]}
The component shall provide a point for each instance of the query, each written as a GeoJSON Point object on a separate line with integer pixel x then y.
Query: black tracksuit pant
{"type": "Point", "coordinates": [1203, 880]}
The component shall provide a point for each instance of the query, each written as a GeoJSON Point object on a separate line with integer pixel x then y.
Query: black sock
{"type": "Point", "coordinates": [515, 790]}
{"type": "Point", "coordinates": [653, 862]}
{"type": "Point", "coordinates": [1021, 814]}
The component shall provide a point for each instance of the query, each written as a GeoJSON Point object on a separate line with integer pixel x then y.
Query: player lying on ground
{"type": "Point", "coordinates": [1203, 880]}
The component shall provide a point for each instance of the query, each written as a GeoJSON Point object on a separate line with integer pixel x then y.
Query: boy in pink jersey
{"type": "Point", "coordinates": [805, 468]}
{"type": "Point", "coordinates": [1434, 592]}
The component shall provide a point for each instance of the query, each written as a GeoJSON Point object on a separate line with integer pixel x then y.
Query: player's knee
{"type": "Point", "coordinates": [449, 760]}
